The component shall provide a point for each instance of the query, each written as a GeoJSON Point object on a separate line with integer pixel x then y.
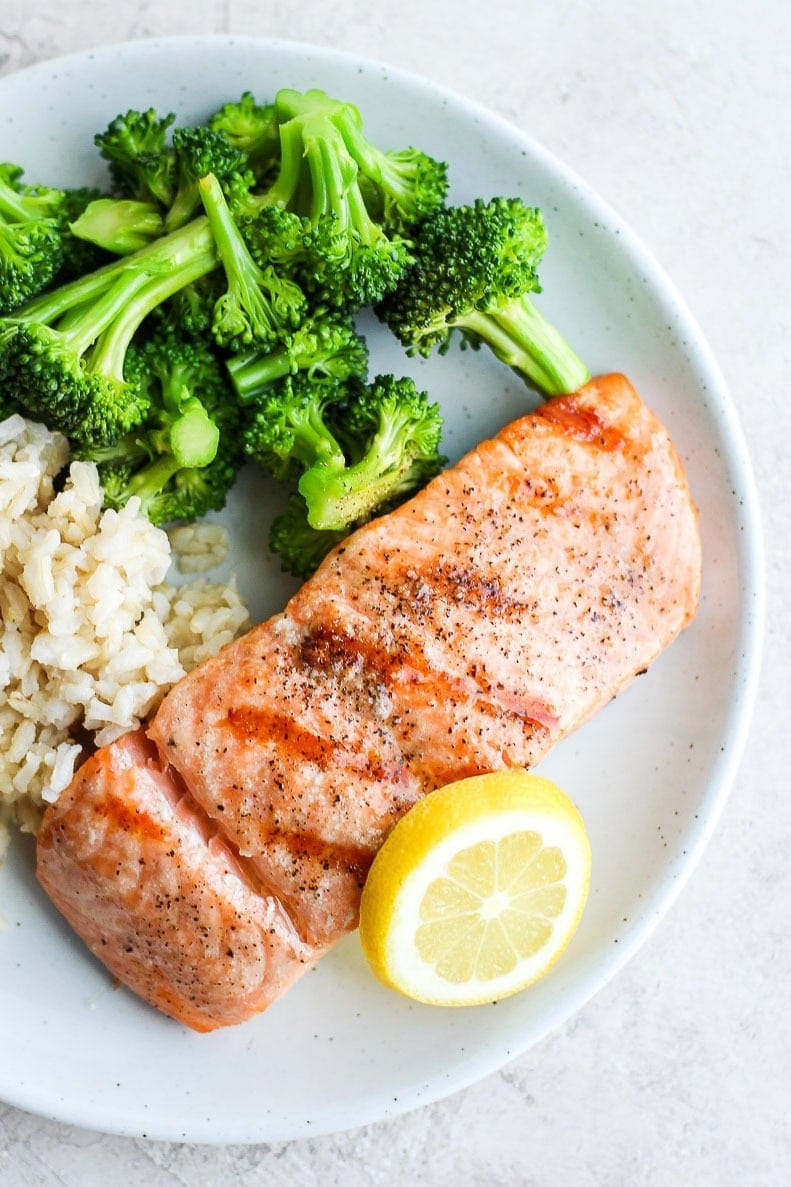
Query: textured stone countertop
{"type": "Point", "coordinates": [679, 1071]}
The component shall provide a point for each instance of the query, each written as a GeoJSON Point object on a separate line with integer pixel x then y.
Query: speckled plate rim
{"type": "Point", "coordinates": [751, 569]}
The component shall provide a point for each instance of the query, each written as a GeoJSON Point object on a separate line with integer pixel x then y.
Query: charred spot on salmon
{"type": "Point", "coordinates": [262, 725]}
{"type": "Point", "coordinates": [582, 423]}
{"type": "Point", "coordinates": [329, 649]}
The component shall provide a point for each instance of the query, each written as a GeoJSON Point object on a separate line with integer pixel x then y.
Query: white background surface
{"type": "Point", "coordinates": [679, 1072]}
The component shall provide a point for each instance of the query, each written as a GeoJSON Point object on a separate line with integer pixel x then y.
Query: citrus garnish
{"type": "Point", "coordinates": [477, 890]}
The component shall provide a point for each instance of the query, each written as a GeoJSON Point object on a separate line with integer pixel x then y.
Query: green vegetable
{"type": "Point", "coordinates": [183, 459]}
{"type": "Point", "coordinates": [404, 185]}
{"type": "Point", "coordinates": [396, 435]}
{"type": "Point", "coordinates": [300, 547]}
{"type": "Point", "coordinates": [258, 305]}
{"type": "Point", "coordinates": [473, 271]}
{"type": "Point", "coordinates": [63, 355]}
{"type": "Point", "coordinates": [79, 255]}
{"type": "Point", "coordinates": [31, 238]}
{"type": "Point", "coordinates": [142, 165]}
{"type": "Point", "coordinates": [221, 328]}
{"type": "Point", "coordinates": [119, 225]}
{"type": "Point", "coordinates": [326, 345]}
{"type": "Point", "coordinates": [198, 153]}
{"type": "Point", "coordinates": [253, 129]}
{"type": "Point", "coordinates": [290, 430]}
{"type": "Point", "coordinates": [354, 203]}
{"type": "Point", "coordinates": [354, 451]}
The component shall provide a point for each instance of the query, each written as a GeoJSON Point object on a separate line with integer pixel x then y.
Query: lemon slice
{"type": "Point", "coordinates": [477, 890]}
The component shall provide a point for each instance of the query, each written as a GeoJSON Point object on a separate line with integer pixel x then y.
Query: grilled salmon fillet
{"type": "Point", "coordinates": [210, 861]}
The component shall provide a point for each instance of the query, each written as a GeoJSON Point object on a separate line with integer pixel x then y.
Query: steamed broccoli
{"type": "Point", "coordinates": [31, 237]}
{"type": "Point", "coordinates": [291, 429]}
{"type": "Point", "coordinates": [324, 345]}
{"type": "Point", "coordinates": [396, 435]}
{"type": "Point", "coordinates": [119, 225]}
{"type": "Point", "coordinates": [63, 355]}
{"type": "Point", "coordinates": [357, 202]}
{"type": "Point", "coordinates": [258, 306]}
{"type": "Point", "coordinates": [300, 547]}
{"type": "Point", "coordinates": [253, 129]}
{"type": "Point", "coordinates": [400, 186]}
{"type": "Point", "coordinates": [474, 269]}
{"type": "Point", "coordinates": [146, 168]}
{"type": "Point", "coordinates": [37, 246]}
{"type": "Point", "coordinates": [354, 452]}
{"type": "Point", "coordinates": [142, 164]}
{"type": "Point", "coordinates": [192, 307]}
{"type": "Point", "coordinates": [79, 255]}
{"type": "Point", "coordinates": [183, 459]}
{"type": "Point", "coordinates": [200, 151]}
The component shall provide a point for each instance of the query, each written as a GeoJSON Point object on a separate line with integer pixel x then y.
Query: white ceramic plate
{"type": "Point", "coordinates": [650, 773]}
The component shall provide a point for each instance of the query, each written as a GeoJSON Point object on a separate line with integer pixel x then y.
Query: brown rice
{"type": "Point", "coordinates": [91, 633]}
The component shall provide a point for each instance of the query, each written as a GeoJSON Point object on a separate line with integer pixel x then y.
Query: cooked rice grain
{"type": "Point", "coordinates": [198, 546]}
{"type": "Point", "coordinates": [91, 635]}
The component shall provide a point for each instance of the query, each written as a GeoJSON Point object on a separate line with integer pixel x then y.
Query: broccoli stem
{"type": "Point", "coordinates": [84, 324]}
{"type": "Point", "coordinates": [166, 255]}
{"type": "Point", "coordinates": [268, 303]}
{"type": "Point", "coordinates": [231, 247]}
{"type": "Point", "coordinates": [12, 205]}
{"type": "Point", "coordinates": [110, 352]}
{"type": "Point", "coordinates": [521, 336]}
{"type": "Point", "coordinates": [374, 163]}
{"type": "Point", "coordinates": [282, 191]}
{"type": "Point", "coordinates": [337, 498]}
{"type": "Point", "coordinates": [148, 482]}
{"type": "Point", "coordinates": [185, 205]}
{"type": "Point", "coordinates": [252, 371]}
{"type": "Point", "coordinates": [191, 442]}
{"type": "Point", "coordinates": [339, 495]}
{"type": "Point", "coordinates": [119, 225]}
{"type": "Point", "coordinates": [335, 189]}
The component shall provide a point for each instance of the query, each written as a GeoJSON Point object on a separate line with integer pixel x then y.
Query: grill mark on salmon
{"type": "Point", "coordinates": [291, 738]}
{"type": "Point", "coordinates": [467, 631]}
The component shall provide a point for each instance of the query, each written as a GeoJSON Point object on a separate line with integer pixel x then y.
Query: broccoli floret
{"type": "Point", "coordinates": [326, 345]}
{"type": "Point", "coordinates": [352, 258]}
{"type": "Point", "coordinates": [290, 429]}
{"type": "Point", "coordinates": [400, 186]}
{"type": "Point", "coordinates": [37, 247]}
{"type": "Point", "coordinates": [192, 307]}
{"type": "Point", "coordinates": [31, 237]}
{"type": "Point", "coordinates": [63, 355]}
{"type": "Point", "coordinates": [30, 255]}
{"type": "Point", "coordinates": [396, 434]}
{"type": "Point", "coordinates": [200, 151]}
{"type": "Point", "coordinates": [145, 167]}
{"type": "Point", "coordinates": [20, 202]}
{"type": "Point", "coordinates": [258, 306]}
{"type": "Point", "coordinates": [253, 129]}
{"type": "Point", "coordinates": [142, 164]}
{"type": "Point", "coordinates": [8, 405]}
{"type": "Point", "coordinates": [119, 225]}
{"type": "Point", "coordinates": [183, 460]}
{"type": "Point", "coordinates": [356, 451]}
{"type": "Point", "coordinates": [474, 269]}
{"type": "Point", "coordinates": [275, 236]}
{"type": "Point", "coordinates": [300, 547]}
